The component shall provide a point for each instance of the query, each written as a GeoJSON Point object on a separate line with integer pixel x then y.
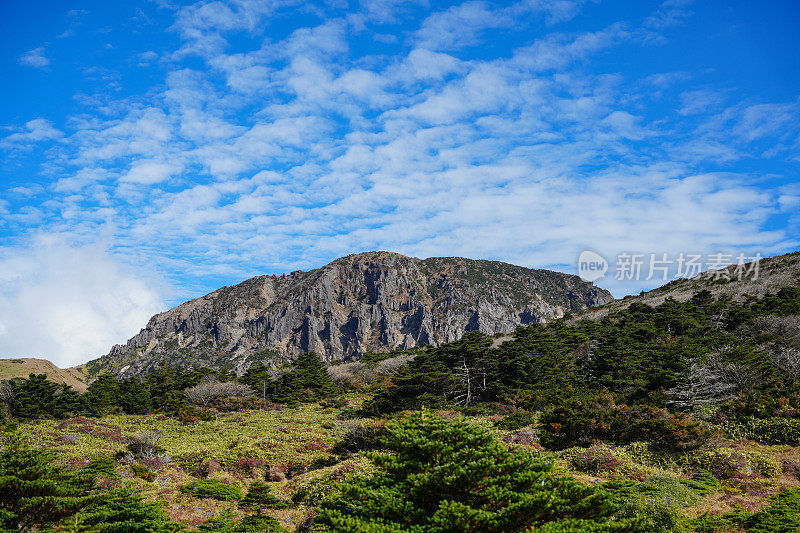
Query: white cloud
{"type": "Point", "coordinates": [34, 58]}
{"type": "Point", "coordinates": [279, 154]}
{"type": "Point", "coordinates": [69, 304]}
{"type": "Point", "coordinates": [151, 171]}
{"type": "Point", "coordinates": [458, 27]}
{"type": "Point", "coordinates": [700, 101]}
{"type": "Point", "coordinates": [670, 13]}
{"type": "Point", "coordinates": [36, 130]}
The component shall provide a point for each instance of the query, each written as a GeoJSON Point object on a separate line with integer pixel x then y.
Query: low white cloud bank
{"type": "Point", "coordinates": [69, 304]}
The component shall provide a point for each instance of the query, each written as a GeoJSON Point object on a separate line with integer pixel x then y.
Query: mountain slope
{"type": "Point", "coordinates": [772, 274]}
{"type": "Point", "coordinates": [375, 301]}
{"type": "Point", "coordinates": [24, 366]}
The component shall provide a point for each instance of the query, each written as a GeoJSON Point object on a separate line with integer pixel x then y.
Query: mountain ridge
{"type": "Point", "coordinates": [371, 301]}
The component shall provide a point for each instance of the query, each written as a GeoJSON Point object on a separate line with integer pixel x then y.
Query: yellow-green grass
{"type": "Point", "coordinates": [287, 437]}
{"type": "Point", "coordinates": [22, 367]}
{"type": "Point", "coordinates": [289, 434]}
{"type": "Point", "coordinates": [300, 438]}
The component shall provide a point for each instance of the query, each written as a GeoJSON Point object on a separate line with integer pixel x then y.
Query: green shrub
{"type": "Point", "coordinates": [596, 416]}
{"type": "Point", "coordinates": [781, 516]}
{"type": "Point", "coordinates": [121, 511]}
{"type": "Point", "coordinates": [227, 523]}
{"type": "Point", "coordinates": [35, 492]}
{"type": "Point", "coordinates": [777, 431]}
{"type": "Point", "coordinates": [103, 465]}
{"type": "Point", "coordinates": [703, 482]}
{"type": "Point", "coordinates": [212, 488]}
{"type": "Point", "coordinates": [517, 420]}
{"type": "Point", "coordinates": [455, 476]}
{"type": "Point", "coordinates": [260, 497]}
{"type": "Point", "coordinates": [669, 489]}
{"type": "Point", "coordinates": [657, 501]}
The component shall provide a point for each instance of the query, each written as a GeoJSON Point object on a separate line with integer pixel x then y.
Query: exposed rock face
{"type": "Point", "coordinates": [374, 301]}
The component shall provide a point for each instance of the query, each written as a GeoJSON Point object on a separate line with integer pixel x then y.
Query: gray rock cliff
{"type": "Point", "coordinates": [374, 301]}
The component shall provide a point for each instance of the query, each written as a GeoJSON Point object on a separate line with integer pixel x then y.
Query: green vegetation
{"type": "Point", "coordinates": [212, 488]}
{"type": "Point", "coordinates": [36, 493]}
{"type": "Point", "coordinates": [676, 418]}
{"type": "Point", "coordinates": [454, 476]}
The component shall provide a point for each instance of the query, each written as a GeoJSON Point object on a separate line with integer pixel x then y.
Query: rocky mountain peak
{"type": "Point", "coordinates": [371, 301]}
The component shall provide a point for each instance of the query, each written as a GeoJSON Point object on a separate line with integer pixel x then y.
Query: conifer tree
{"type": "Point", "coordinates": [121, 511]}
{"type": "Point", "coordinates": [307, 379]}
{"type": "Point", "coordinates": [35, 492]}
{"type": "Point", "coordinates": [35, 397]}
{"type": "Point", "coordinates": [259, 497]}
{"type": "Point", "coordinates": [68, 402]}
{"type": "Point", "coordinates": [103, 395]}
{"type": "Point", "coordinates": [443, 476]}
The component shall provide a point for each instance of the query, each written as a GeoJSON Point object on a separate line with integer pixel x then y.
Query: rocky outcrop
{"type": "Point", "coordinates": [375, 301]}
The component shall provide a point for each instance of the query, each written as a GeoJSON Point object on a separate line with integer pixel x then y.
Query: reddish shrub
{"type": "Point", "coordinates": [67, 439]}
{"type": "Point", "coordinates": [248, 467]}
{"type": "Point", "coordinates": [729, 466]}
{"type": "Point", "coordinates": [791, 467]}
{"type": "Point", "coordinates": [596, 460]}
{"type": "Point", "coordinates": [597, 416]}
{"type": "Point", "coordinates": [525, 437]}
{"type": "Point", "coordinates": [340, 473]}
{"type": "Point", "coordinates": [275, 473]}
{"type": "Point", "coordinates": [208, 467]}
{"type": "Point", "coordinates": [315, 445]}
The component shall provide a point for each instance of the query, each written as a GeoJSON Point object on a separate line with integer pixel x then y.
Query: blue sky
{"type": "Point", "coordinates": [151, 152]}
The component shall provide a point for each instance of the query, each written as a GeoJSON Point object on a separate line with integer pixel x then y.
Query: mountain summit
{"type": "Point", "coordinates": [373, 301]}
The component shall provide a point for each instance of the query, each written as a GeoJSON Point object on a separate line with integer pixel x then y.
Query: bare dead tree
{"type": "Point", "coordinates": [145, 444]}
{"type": "Point", "coordinates": [472, 380]}
{"type": "Point", "coordinates": [743, 376]}
{"type": "Point", "coordinates": [700, 385]}
{"type": "Point", "coordinates": [719, 320]}
{"type": "Point", "coordinates": [714, 380]}
{"type": "Point", "coordinates": [786, 360]}
{"type": "Point", "coordinates": [8, 395]}
{"type": "Point", "coordinates": [204, 392]}
{"type": "Point", "coordinates": [392, 365]}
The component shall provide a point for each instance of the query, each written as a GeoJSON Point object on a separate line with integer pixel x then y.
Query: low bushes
{"type": "Point", "coordinates": [776, 430]}
{"type": "Point", "coordinates": [517, 420]}
{"type": "Point", "coordinates": [581, 421]}
{"type": "Point", "coordinates": [725, 463]}
{"type": "Point", "coordinates": [596, 459]}
{"type": "Point", "coordinates": [212, 488]}
{"type": "Point", "coordinates": [703, 483]}
{"type": "Point", "coordinates": [605, 460]}
{"type": "Point", "coordinates": [142, 472]}
{"type": "Point", "coordinates": [656, 501]}
{"type": "Point", "coordinates": [782, 515]}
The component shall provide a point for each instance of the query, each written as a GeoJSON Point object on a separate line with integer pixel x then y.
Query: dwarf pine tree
{"type": "Point", "coordinates": [306, 380]}
{"type": "Point", "coordinates": [442, 476]}
{"type": "Point", "coordinates": [259, 497]}
{"type": "Point", "coordinates": [34, 491]}
{"type": "Point", "coordinates": [121, 511]}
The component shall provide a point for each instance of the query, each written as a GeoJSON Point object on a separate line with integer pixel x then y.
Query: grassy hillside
{"type": "Point", "coordinates": [296, 451]}
{"type": "Point", "coordinates": [23, 367]}
{"type": "Point", "coordinates": [773, 273]}
{"type": "Point", "coordinates": [679, 417]}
